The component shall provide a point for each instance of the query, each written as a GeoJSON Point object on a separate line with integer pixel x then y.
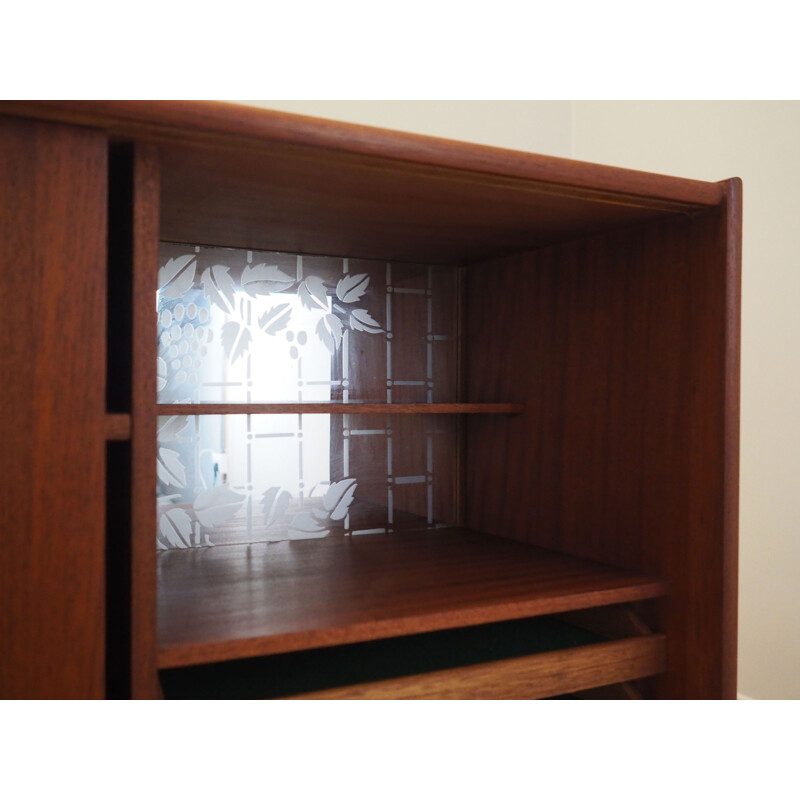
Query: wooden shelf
{"type": "Point", "coordinates": [172, 409]}
{"type": "Point", "coordinates": [526, 678]}
{"type": "Point", "coordinates": [517, 659]}
{"type": "Point", "coordinates": [247, 600]}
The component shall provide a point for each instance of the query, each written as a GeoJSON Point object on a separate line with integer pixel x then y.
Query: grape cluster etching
{"type": "Point", "coordinates": [187, 294]}
{"type": "Point", "coordinates": [179, 275]}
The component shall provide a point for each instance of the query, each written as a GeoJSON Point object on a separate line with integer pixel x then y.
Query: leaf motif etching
{"type": "Point", "coordinates": [352, 287]}
{"type": "Point", "coordinates": [263, 279]}
{"type": "Point", "coordinates": [339, 497]}
{"type": "Point", "coordinates": [171, 428]}
{"type": "Point", "coordinates": [329, 331]}
{"type": "Point", "coordinates": [232, 294]}
{"type": "Point", "coordinates": [182, 526]}
{"type": "Point", "coordinates": [275, 319]}
{"type": "Point", "coordinates": [219, 287]}
{"type": "Point", "coordinates": [217, 505]}
{"type": "Point", "coordinates": [336, 503]}
{"type": "Point", "coordinates": [275, 504]}
{"type": "Point", "coordinates": [169, 468]}
{"type": "Point", "coordinates": [360, 320]}
{"type": "Point", "coordinates": [306, 526]}
{"type": "Point", "coordinates": [236, 338]}
{"type": "Point", "coordinates": [177, 276]}
{"type": "Point", "coordinates": [174, 529]}
{"type": "Point", "coordinates": [312, 293]}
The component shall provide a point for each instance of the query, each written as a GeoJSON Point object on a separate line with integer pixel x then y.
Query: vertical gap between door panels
{"type": "Point", "coordinates": [119, 322]}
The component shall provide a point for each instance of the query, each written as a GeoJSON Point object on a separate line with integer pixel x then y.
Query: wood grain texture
{"type": "Point", "coordinates": [254, 179]}
{"type": "Point", "coordinates": [732, 378]}
{"type": "Point", "coordinates": [525, 678]}
{"type": "Point", "coordinates": [144, 676]}
{"type": "Point", "coordinates": [170, 409]}
{"type": "Point", "coordinates": [215, 123]}
{"type": "Point", "coordinates": [624, 453]}
{"type": "Point", "coordinates": [117, 427]}
{"type": "Point", "coordinates": [52, 423]}
{"type": "Point", "coordinates": [299, 200]}
{"type": "Point", "coordinates": [240, 601]}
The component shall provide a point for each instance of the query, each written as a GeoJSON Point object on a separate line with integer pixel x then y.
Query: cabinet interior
{"type": "Point", "coordinates": [498, 376]}
{"type": "Point", "coordinates": [539, 419]}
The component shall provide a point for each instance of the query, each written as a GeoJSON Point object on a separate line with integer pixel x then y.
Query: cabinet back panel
{"type": "Point", "coordinates": [242, 326]}
{"type": "Point", "coordinates": [239, 479]}
{"type": "Point", "coordinates": [617, 345]}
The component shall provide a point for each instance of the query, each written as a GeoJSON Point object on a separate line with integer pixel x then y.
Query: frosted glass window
{"type": "Point", "coordinates": [248, 326]}
{"type": "Point", "coordinates": [252, 478]}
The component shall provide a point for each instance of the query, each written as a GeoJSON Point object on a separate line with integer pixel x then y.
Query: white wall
{"type": "Point", "coordinates": [757, 141]}
{"type": "Point", "coordinates": [540, 127]}
{"type": "Point", "coordinates": [708, 140]}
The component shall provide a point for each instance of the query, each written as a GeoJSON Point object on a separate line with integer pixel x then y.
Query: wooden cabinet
{"type": "Point", "coordinates": [412, 418]}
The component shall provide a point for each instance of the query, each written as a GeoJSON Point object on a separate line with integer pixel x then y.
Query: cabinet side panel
{"type": "Point", "coordinates": [730, 594]}
{"type": "Point", "coordinates": [620, 348]}
{"type": "Point", "coordinates": [732, 232]}
{"type": "Point", "coordinates": [52, 349]}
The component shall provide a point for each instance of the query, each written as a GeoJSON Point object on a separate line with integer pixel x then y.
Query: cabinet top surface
{"type": "Point", "coordinates": [229, 173]}
{"type": "Point", "coordinates": [205, 121]}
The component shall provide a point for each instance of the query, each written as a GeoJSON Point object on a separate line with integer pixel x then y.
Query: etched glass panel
{"type": "Point", "coordinates": [248, 326]}
{"type": "Point", "coordinates": [254, 478]}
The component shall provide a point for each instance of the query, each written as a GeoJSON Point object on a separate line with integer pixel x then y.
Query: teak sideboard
{"type": "Point", "coordinates": [467, 425]}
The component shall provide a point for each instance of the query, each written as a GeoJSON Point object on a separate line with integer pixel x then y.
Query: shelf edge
{"type": "Point", "coordinates": [191, 409]}
{"type": "Point", "coordinates": [185, 655]}
{"type": "Point", "coordinates": [526, 677]}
